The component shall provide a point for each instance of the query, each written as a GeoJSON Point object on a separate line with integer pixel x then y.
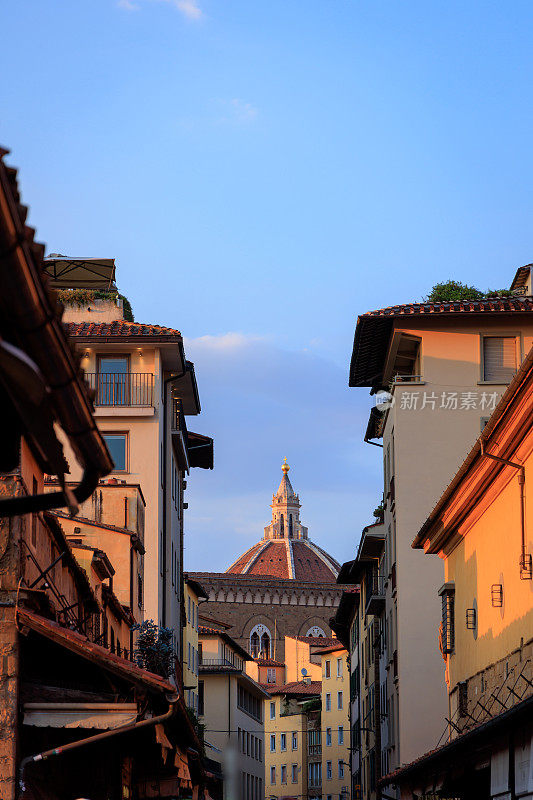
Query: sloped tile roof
{"type": "Point", "coordinates": [120, 329]}
{"type": "Point", "coordinates": [373, 330]}
{"type": "Point", "coordinates": [287, 559]}
{"type": "Point", "coordinates": [490, 305]}
{"type": "Point", "coordinates": [297, 687]}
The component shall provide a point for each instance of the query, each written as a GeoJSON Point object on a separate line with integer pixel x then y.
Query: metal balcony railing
{"type": "Point", "coordinates": [315, 749]}
{"type": "Point", "coordinates": [178, 418]}
{"type": "Point", "coordinates": [217, 662]}
{"type": "Point", "coordinates": [122, 388]}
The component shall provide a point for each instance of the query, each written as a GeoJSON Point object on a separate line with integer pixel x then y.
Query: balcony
{"type": "Point", "coordinates": [217, 662]}
{"type": "Point", "coordinates": [125, 389]}
{"type": "Point", "coordinates": [315, 750]}
{"type": "Point", "coordinates": [375, 594]}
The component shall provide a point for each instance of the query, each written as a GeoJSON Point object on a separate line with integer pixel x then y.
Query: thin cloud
{"type": "Point", "coordinates": [189, 8]}
{"type": "Point", "coordinates": [237, 111]}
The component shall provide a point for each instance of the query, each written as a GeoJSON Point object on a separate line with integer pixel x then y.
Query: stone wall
{"type": "Point", "coordinates": [289, 608]}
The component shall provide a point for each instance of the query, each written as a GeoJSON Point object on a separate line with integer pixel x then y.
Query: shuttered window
{"type": "Point", "coordinates": [499, 358]}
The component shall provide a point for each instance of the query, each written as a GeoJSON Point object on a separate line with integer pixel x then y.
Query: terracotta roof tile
{"type": "Point", "coordinates": [119, 328]}
{"type": "Point", "coordinates": [491, 305]}
{"type": "Point", "coordinates": [332, 648]}
{"type": "Point", "coordinates": [309, 563]}
{"type": "Point", "coordinates": [269, 662]}
{"type": "Point", "coordinates": [297, 687]}
{"type": "Point", "coordinates": [319, 641]}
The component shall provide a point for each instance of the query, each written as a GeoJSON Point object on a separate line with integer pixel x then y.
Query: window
{"type": "Point", "coordinates": [447, 593]}
{"type": "Point", "coordinates": [339, 700]}
{"type": "Point", "coordinates": [295, 741]}
{"type": "Point", "coordinates": [339, 668]}
{"type": "Point", "coordinates": [341, 769]}
{"type": "Point", "coordinates": [341, 734]}
{"type": "Point", "coordinates": [118, 449]}
{"type": "Point", "coordinates": [273, 775]}
{"type": "Point", "coordinates": [283, 741]}
{"type": "Point", "coordinates": [315, 774]}
{"type": "Point", "coordinates": [499, 358]}
{"type": "Point", "coordinates": [329, 771]}
{"type": "Point", "coordinates": [327, 669]}
{"type": "Point", "coordinates": [328, 737]}
{"type": "Point", "coordinates": [272, 742]}
{"type": "Point", "coordinates": [271, 675]}
{"type": "Point", "coordinates": [139, 591]}
{"type": "Point", "coordinates": [113, 382]}
{"type": "Point", "coordinates": [283, 773]}
{"type": "Point", "coordinates": [295, 773]}
{"type": "Point", "coordinates": [200, 698]}
{"type": "Point", "coordinates": [328, 701]}
{"type": "Point", "coordinates": [272, 710]}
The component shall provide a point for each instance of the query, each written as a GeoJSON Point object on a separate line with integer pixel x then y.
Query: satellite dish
{"type": "Point", "coordinates": [304, 671]}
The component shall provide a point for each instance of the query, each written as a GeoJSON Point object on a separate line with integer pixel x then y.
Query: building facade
{"type": "Point", "coordinates": [144, 389]}
{"type": "Point", "coordinates": [231, 710]}
{"type": "Point", "coordinates": [443, 367]}
{"type": "Point", "coordinates": [481, 529]}
{"type": "Point", "coordinates": [194, 595]}
{"type": "Point", "coordinates": [335, 723]}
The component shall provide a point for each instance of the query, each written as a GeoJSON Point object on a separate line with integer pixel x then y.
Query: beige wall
{"type": "Point", "coordinates": [429, 445]}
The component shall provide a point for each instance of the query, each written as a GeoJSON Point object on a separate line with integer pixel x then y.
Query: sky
{"type": "Point", "coordinates": [263, 172]}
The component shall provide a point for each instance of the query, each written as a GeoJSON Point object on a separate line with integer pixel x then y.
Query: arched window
{"type": "Point", "coordinates": [260, 642]}
{"type": "Point", "coordinates": [290, 526]}
{"type": "Point", "coordinates": [316, 632]}
{"type": "Point", "coordinates": [281, 525]}
{"type": "Point", "coordinates": [254, 645]}
{"type": "Point", "coordinates": [265, 646]}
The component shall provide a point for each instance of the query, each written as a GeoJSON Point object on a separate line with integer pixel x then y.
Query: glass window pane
{"type": "Point", "coordinates": [116, 364]}
{"type": "Point", "coordinates": [116, 443]}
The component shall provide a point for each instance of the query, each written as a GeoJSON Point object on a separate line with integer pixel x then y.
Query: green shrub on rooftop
{"type": "Point", "coordinates": [453, 291]}
{"type": "Point", "coordinates": [84, 297]}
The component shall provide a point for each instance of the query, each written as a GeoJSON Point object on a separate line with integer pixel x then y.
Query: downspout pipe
{"type": "Point", "coordinates": [99, 737]}
{"type": "Point", "coordinates": [521, 480]}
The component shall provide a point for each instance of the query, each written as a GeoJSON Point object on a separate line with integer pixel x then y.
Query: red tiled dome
{"type": "Point", "coordinates": [287, 558]}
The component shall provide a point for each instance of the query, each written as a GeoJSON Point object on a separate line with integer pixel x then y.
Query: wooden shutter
{"type": "Point", "coordinates": [499, 358]}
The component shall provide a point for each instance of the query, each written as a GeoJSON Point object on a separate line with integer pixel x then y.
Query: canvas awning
{"type": "Point", "coordinates": [79, 273]}
{"type": "Point", "coordinates": [79, 715]}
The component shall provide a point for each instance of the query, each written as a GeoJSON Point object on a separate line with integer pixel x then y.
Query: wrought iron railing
{"type": "Point", "coordinates": [122, 388]}
{"type": "Point", "coordinates": [217, 662]}
{"type": "Point", "coordinates": [178, 418]}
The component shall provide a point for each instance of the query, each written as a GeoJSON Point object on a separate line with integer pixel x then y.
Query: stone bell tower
{"type": "Point", "coordinates": [285, 511]}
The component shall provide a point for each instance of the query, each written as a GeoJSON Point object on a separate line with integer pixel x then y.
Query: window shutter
{"type": "Point", "coordinates": [499, 358]}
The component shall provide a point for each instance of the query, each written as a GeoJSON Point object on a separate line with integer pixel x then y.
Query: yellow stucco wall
{"type": "Point", "coordinates": [335, 719]}
{"type": "Point", "coordinates": [298, 657]}
{"type": "Point", "coordinates": [489, 554]}
{"type": "Point", "coordinates": [286, 723]}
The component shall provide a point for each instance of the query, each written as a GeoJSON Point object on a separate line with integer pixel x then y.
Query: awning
{"type": "Point", "coordinates": [200, 450]}
{"type": "Point", "coordinates": [79, 715]}
{"type": "Point", "coordinates": [79, 273]}
{"type": "Point", "coordinates": [93, 652]}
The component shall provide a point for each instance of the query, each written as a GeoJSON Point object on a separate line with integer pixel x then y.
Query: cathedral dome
{"type": "Point", "coordinates": [285, 551]}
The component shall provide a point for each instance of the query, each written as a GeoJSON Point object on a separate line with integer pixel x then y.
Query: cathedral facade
{"type": "Point", "coordinates": [284, 585]}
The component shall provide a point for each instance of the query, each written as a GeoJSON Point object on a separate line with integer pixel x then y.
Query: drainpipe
{"type": "Point", "coordinates": [166, 381]}
{"type": "Point", "coordinates": [521, 481]}
{"type": "Point", "coordinates": [99, 737]}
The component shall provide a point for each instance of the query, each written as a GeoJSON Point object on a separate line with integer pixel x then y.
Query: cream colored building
{"type": "Point", "coordinates": [335, 723]}
{"type": "Point", "coordinates": [194, 595]}
{"type": "Point", "coordinates": [446, 366]}
{"type": "Point", "coordinates": [293, 748]}
{"type": "Point", "coordinates": [144, 390]}
{"type": "Point", "coordinates": [231, 709]}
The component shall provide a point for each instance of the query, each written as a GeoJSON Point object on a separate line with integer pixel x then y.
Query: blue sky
{"type": "Point", "coordinates": [263, 172]}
